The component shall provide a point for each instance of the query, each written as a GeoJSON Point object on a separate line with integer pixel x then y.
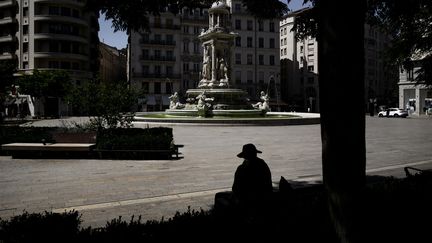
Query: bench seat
{"type": "Point", "coordinates": [68, 147]}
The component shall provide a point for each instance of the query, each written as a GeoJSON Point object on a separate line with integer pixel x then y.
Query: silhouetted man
{"type": "Point", "coordinates": [252, 188]}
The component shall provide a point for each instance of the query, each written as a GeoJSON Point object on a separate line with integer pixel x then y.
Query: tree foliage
{"type": "Point", "coordinates": [107, 104]}
{"type": "Point", "coordinates": [131, 15]}
{"type": "Point", "coordinates": [409, 23]}
{"type": "Point", "coordinates": [45, 83]}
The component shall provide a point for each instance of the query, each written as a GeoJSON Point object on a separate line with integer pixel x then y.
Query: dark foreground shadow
{"type": "Point", "coordinates": [394, 210]}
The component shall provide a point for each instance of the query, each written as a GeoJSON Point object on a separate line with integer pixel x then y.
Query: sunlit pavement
{"type": "Point", "coordinates": [104, 189]}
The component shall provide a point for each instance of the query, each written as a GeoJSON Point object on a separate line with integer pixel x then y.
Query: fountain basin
{"type": "Point", "coordinates": [270, 119]}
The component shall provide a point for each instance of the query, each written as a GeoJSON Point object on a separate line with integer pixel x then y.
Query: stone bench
{"type": "Point", "coordinates": [43, 150]}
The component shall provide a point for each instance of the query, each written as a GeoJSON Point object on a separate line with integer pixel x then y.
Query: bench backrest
{"type": "Point", "coordinates": [89, 137]}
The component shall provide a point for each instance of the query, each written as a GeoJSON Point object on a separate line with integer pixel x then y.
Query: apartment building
{"type": "Point", "coordinates": [50, 35]}
{"type": "Point", "coordinates": [299, 67]}
{"type": "Point", "coordinates": [169, 57]}
{"type": "Point", "coordinates": [8, 30]}
{"type": "Point", "coordinates": [112, 64]}
{"type": "Point", "coordinates": [256, 54]}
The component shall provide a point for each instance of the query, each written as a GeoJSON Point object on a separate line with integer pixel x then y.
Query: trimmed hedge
{"type": "Point", "coordinates": [16, 134]}
{"type": "Point", "coordinates": [135, 138]}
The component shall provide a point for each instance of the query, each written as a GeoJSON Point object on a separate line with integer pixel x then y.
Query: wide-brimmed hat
{"type": "Point", "coordinates": [248, 149]}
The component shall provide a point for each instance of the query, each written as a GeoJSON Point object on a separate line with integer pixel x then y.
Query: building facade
{"type": "Point", "coordinates": [50, 35]}
{"type": "Point", "coordinates": [413, 96]}
{"type": "Point", "coordinates": [169, 57]}
{"type": "Point", "coordinates": [299, 68]}
{"type": "Point", "coordinates": [112, 64]}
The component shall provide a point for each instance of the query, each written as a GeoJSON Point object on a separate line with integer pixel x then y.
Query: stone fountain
{"type": "Point", "coordinates": [214, 97]}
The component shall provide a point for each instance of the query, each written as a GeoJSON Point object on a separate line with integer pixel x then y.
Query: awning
{"type": "Point", "coordinates": [165, 100]}
{"type": "Point", "coordinates": [151, 100]}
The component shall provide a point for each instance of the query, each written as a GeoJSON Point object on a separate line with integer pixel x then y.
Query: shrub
{"type": "Point", "coordinates": [15, 134]}
{"type": "Point", "coordinates": [41, 227]}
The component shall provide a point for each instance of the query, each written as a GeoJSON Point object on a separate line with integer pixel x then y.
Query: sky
{"type": "Point", "coordinates": [119, 39]}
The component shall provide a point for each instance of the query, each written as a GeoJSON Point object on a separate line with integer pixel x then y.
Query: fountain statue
{"type": "Point", "coordinates": [263, 106]}
{"type": "Point", "coordinates": [213, 96]}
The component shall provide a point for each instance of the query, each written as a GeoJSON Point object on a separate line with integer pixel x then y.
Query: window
{"type": "Point", "coordinates": [185, 67]}
{"type": "Point", "coordinates": [261, 42]}
{"type": "Point", "coordinates": [157, 38]}
{"type": "Point", "coordinates": [249, 42]}
{"type": "Point", "coordinates": [157, 87]}
{"type": "Point", "coordinates": [145, 87]}
{"type": "Point", "coordinates": [237, 7]}
{"type": "Point", "coordinates": [169, 70]}
{"type": "Point", "coordinates": [196, 67]}
{"type": "Point", "coordinates": [157, 54]}
{"type": "Point", "coordinates": [260, 25]}
{"type": "Point", "coordinates": [261, 59]}
{"type": "Point", "coordinates": [157, 70]}
{"type": "Point", "coordinates": [186, 46]}
{"type": "Point", "coordinates": [168, 88]}
{"type": "Point", "coordinates": [249, 59]}
{"type": "Point", "coordinates": [170, 55]}
{"type": "Point", "coordinates": [301, 49]}
{"type": "Point", "coordinates": [310, 68]}
{"type": "Point", "coordinates": [249, 25]}
{"type": "Point", "coordinates": [53, 10]}
{"type": "Point", "coordinates": [186, 29]}
{"type": "Point", "coordinates": [272, 43]}
{"type": "Point", "coordinates": [196, 29]}
{"type": "Point", "coordinates": [65, 11]}
{"type": "Point", "coordinates": [145, 54]}
{"type": "Point", "coordinates": [238, 77]}
{"type": "Point", "coordinates": [196, 47]}
{"type": "Point", "coordinates": [238, 24]}
{"type": "Point", "coordinates": [310, 80]}
{"type": "Point", "coordinates": [145, 69]}
{"type": "Point", "coordinates": [169, 39]}
{"type": "Point", "coordinates": [157, 22]}
{"type": "Point", "coordinates": [261, 77]}
{"type": "Point", "coordinates": [285, 51]}
{"type": "Point", "coordinates": [272, 27]}
{"type": "Point", "coordinates": [271, 60]}
{"type": "Point", "coordinates": [249, 77]}
{"type": "Point", "coordinates": [238, 58]}
{"type": "Point", "coordinates": [169, 23]}
{"type": "Point", "coordinates": [238, 41]}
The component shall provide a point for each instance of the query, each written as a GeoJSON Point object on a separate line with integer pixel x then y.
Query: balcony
{"type": "Point", "coordinates": [7, 3]}
{"type": "Point", "coordinates": [52, 36]}
{"type": "Point", "coordinates": [7, 56]}
{"type": "Point", "coordinates": [157, 58]}
{"type": "Point", "coordinates": [77, 3]}
{"type": "Point", "coordinates": [8, 20]}
{"type": "Point", "coordinates": [165, 26]}
{"type": "Point", "coordinates": [156, 75]}
{"type": "Point", "coordinates": [61, 55]}
{"type": "Point", "coordinates": [7, 38]}
{"type": "Point", "coordinates": [59, 18]}
{"type": "Point", "coordinates": [157, 42]}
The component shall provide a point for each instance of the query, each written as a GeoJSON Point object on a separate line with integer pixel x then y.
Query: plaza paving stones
{"type": "Point", "coordinates": [105, 189]}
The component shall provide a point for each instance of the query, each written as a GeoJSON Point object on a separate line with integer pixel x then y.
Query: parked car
{"type": "Point", "coordinates": [393, 112]}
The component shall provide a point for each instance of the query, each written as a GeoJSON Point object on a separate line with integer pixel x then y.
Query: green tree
{"type": "Point", "coordinates": [107, 104]}
{"type": "Point", "coordinates": [45, 83]}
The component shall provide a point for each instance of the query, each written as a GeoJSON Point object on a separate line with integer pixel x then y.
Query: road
{"type": "Point", "coordinates": [104, 189]}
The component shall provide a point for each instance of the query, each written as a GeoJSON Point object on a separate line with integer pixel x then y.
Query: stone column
{"type": "Point", "coordinates": [213, 66]}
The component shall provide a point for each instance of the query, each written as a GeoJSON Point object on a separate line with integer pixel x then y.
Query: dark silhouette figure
{"type": "Point", "coordinates": [252, 188]}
